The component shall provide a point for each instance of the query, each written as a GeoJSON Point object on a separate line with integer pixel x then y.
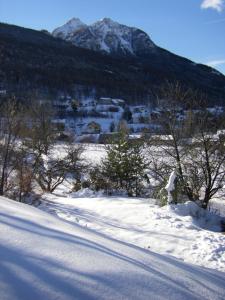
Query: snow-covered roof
{"type": "Point", "coordinates": [119, 100]}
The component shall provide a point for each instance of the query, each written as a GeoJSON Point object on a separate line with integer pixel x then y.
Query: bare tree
{"type": "Point", "coordinates": [40, 130]}
{"type": "Point", "coordinates": [51, 170]}
{"type": "Point", "coordinates": [22, 176]}
{"type": "Point", "coordinates": [10, 126]}
{"type": "Point", "coordinates": [205, 162]}
{"type": "Point", "coordinates": [191, 147]}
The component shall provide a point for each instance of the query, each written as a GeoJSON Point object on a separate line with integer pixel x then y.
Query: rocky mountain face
{"type": "Point", "coordinates": [106, 36]}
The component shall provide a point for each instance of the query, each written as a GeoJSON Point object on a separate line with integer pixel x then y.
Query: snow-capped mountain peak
{"type": "Point", "coordinates": [72, 26]}
{"type": "Point", "coordinates": [107, 36]}
{"type": "Point", "coordinates": [108, 20]}
{"type": "Point", "coordinates": [75, 22]}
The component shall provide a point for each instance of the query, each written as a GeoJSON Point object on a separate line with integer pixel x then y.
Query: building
{"type": "Point", "coordinates": [92, 128]}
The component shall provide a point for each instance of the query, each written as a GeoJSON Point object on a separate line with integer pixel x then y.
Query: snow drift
{"type": "Point", "coordinates": [43, 257]}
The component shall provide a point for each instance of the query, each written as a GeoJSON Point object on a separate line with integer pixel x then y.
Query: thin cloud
{"type": "Point", "coordinates": [213, 4]}
{"type": "Point", "coordinates": [215, 63]}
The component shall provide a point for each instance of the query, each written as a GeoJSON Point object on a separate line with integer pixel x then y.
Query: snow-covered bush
{"type": "Point", "coordinates": [171, 188]}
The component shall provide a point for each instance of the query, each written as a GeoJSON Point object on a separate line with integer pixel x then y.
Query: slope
{"type": "Point", "coordinates": [184, 231]}
{"type": "Point", "coordinates": [43, 257]}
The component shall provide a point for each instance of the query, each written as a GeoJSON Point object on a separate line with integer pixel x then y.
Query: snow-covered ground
{"type": "Point", "coordinates": [94, 153]}
{"type": "Point", "coordinates": [141, 222]}
{"type": "Point", "coordinates": [86, 245]}
{"type": "Point", "coordinates": [179, 231]}
{"type": "Point", "coordinates": [43, 257]}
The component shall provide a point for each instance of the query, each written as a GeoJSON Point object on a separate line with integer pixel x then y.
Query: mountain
{"type": "Point", "coordinates": [66, 31]}
{"type": "Point", "coordinates": [106, 36]}
{"type": "Point", "coordinates": [36, 61]}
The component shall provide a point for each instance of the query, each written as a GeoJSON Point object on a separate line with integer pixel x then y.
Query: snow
{"type": "Point", "coordinates": [104, 47]}
{"type": "Point", "coordinates": [69, 28]}
{"type": "Point", "coordinates": [43, 257]}
{"type": "Point", "coordinates": [105, 26]}
{"type": "Point", "coordinates": [94, 154]}
{"type": "Point", "coordinates": [118, 101]}
{"type": "Point", "coordinates": [183, 231]}
{"type": "Point", "coordinates": [106, 35]}
{"type": "Point", "coordinates": [170, 186]}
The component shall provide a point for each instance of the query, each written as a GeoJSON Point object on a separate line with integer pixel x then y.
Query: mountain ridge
{"type": "Point", "coordinates": [107, 36]}
{"type": "Point", "coordinates": [34, 60]}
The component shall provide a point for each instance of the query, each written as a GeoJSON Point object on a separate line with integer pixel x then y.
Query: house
{"type": "Point", "coordinates": [61, 105]}
{"type": "Point", "coordinates": [88, 103]}
{"type": "Point", "coordinates": [92, 128]}
{"type": "Point", "coordinates": [119, 102]}
{"type": "Point", "coordinates": [105, 101]}
{"type": "Point", "coordinates": [140, 114]}
{"type": "Point", "coordinates": [140, 109]}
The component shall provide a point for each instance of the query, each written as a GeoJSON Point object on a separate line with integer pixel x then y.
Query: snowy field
{"type": "Point", "coordinates": [182, 232]}
{"type": "Point", "coordinates": [43, 257]}
{"type": "Point", "coordinates": [86, 245]}
{"type": "Point", "coordinates": [171, 231]}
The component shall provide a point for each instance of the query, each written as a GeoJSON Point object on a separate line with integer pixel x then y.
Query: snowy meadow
{"type": "Point", "coordinates": [184, 231]}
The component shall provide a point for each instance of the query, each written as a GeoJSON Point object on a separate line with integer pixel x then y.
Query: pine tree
{"type": "Point", "coordinates": [125, 165]}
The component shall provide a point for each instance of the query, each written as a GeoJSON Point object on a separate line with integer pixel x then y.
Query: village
{"type": "Point", "coordinates": [90, 119]}
{"type": "Point", "coordinates": [94, 120]}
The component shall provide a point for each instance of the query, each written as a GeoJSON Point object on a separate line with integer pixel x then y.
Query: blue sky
{"type": "Point", "coordinates": [191, 28]}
